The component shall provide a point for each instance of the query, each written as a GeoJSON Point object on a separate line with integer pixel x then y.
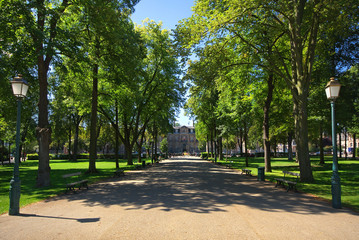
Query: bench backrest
{"type": "Point", "coordinates": [71, 174]}
{"type": "Point", "coordinates": [291, 173]}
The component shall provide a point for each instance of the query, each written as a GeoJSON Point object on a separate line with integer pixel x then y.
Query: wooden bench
{"type": "Point", "coordinates": [289, 181]}
{"type": "Point", "coordinates": [247, 172]}
{"type": "Point", "coordinates": [119, 173]}
{"type": "Point", "coordinates": [73, 180]}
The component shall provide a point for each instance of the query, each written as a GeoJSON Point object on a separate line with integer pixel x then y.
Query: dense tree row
{"type": "Point", "coordinates": [92, 74]}
{"type": "Point", "coordinates": [261, 66]}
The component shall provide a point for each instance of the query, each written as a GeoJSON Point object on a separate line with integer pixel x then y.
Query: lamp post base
{"type": "Point", "coordinates": [336, 191]}
{"type": "Point", "coordinates": [14, 197]}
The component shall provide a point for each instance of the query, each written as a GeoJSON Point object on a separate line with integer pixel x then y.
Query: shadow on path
{"type": "Point", "coordinates": [197, 186]}
{"type": "Point", "coordinates": [80, 220]}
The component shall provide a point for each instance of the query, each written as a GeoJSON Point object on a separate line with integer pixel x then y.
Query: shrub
{"type": "Point", "coordinates": [204, 155]}
{"type": "Point", "coordinates": [32, 156]}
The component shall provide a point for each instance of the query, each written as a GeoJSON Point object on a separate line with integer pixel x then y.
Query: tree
{"type": "Point", "coordinates": [149, 89]}
{"type": "Point", "coordinates": [294, 25]}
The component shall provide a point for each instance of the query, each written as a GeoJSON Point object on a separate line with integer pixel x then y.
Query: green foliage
{"type": "Point", "coordinates": [32, 156]}
{"type": "Point", "coordinates": [164, 146]}
{"type": "Point", "coordinates": [204, 155]}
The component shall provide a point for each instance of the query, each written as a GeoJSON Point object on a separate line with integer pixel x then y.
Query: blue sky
{"type": "Point", "coordinates": [169, 12]}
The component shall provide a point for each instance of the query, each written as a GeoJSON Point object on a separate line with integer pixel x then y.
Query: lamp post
{"type": "Point", "coordinates": [19, 88]}
{"type": "Point", "coordinates": [332, 91]}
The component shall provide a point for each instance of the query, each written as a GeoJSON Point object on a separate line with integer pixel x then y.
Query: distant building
{"type": "Point", "coordinates": [183, 139]}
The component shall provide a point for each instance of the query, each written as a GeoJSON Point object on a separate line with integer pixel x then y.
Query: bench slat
{"type": "Point", "coordinates": [75, 181]}
{"type": "Point", "coordinates": [291, 184]}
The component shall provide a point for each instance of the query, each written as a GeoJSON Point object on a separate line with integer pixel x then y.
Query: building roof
{"type": "Point", "coordinates": [190, 127]}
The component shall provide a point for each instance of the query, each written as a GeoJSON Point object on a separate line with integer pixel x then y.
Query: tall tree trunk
{"type": "Point", "coordinates": [76, 140]}
{"type": "Point", "coordinates": [93, 124]}
{"type": "Point", "coordinates": [241, 141]}
{"type": "Point", "coordinates": [212, 155]}
{"type": "Point", "coordinates": [290, 147]}
{"type": "Point", "coordinates": [2, 152]}
{"type": "Point", "coordinates": [301, 137]}
{"type": "Point", "coordinates": [155, 142]}
{"type": "Point", "coordinates": [266, 110]}
{"type": "Point", "coordinates": [345, 144]}
{"type": "Point", "coordinates": [9, 151]}
{"type": "Point", "coordinates": [207, 145]}
{"type": "Point", "coordinates": [220, 148]}
{"type": "Point", "coordinates": [43, 131]}
{"type": "Point", "coordinates": [340, 143]}
{"type": "Point", "coordinates": [321, 145]}
{"type": "Point", "coordinates": [23, 138]}
{"type": "Point", "coordinates": [117, 144]}
{"type": "Point", "coordinates": [302, 47]}
{"type": "Point", "coordinates": [70, 137]}
{"type": "Point", "coordinates": [128, 148]}
{"type": "Point", "coordinates": [245, 143]}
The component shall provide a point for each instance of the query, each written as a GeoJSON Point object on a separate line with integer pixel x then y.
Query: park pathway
{"type": "Point", "coordinates": [182, 198]}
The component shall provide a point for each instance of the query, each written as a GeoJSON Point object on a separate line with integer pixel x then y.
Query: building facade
{"type": "Point", "coordinates": [182, 139]}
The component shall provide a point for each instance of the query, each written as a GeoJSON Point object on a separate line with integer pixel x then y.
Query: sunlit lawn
{"type": "Point", "coordinates": [348, 171]}
{"type": "Point", "coordinates": [28, 173]}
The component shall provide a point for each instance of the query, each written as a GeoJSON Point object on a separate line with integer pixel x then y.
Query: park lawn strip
{"type": "Point", "coordinates": [321, 188]}
{"type": "Point", "coordinates": [28, 173]}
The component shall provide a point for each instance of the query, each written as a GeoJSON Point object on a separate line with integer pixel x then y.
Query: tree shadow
{"type": "Point", "coordinates": [197, 186]}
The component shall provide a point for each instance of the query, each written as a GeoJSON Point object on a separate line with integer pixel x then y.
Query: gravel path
{"type": "Point", "coordinates": [181, 198]}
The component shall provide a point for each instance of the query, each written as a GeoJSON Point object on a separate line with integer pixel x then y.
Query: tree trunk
{"type": "Point", "coordinates": [2, 152]}
{"type": "Point", "coordinates": [117, 144]}
{"type": "Point", "coordinates": [70, 137]}
{"type": "Point", "coordinates": [93, 124]}
{"type": "Point", "coordinates": [245, 143]}
{"type": "Point", "coordinates": [128, 149]}
{"type": "Point", "coordinates": [76, 140]}
{"type": "Point", "coordinates": [220, 148]}
{"type": "Point", "coordinates": [207, 145]}
{"type": "Point", "coordinates": [301, 137]}
{"type": "Point", "coordinates": [241, 141]}
{"type": "Point", "coordinates": [290, 147]}
{"type": "Point", "coordinates": [155, 142]}
{"type": "Point", "coordinates": [340, 144]}
{"type": "Point", "coordinates": [9, 151]}
{"type": "Point", "coordinates": [23, 138]}
{"type": "Point", "coordinates": [43, 131]}
{"type": "Point", "coordinates": [321, 145]}
{"type": "Point", "coordinates": [266, 110]}
{"type": "Point", "coordinates": [345, 144]}
{"type": "Point", "coordinates": [212, 155]}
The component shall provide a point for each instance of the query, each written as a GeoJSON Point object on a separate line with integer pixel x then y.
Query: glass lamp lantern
{"type": "Point", "coordinates": [19, 86]}
{"type": "Point", "coordinates": [332, 89]}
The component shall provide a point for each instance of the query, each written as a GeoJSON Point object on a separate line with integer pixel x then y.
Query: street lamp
{"type": "Point", "coordinates": [19, 88]}
{"type": "Point", "coordinates": [332, 90]}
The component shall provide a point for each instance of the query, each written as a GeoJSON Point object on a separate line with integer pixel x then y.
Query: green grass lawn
{"type": "Point", "coordinates": [28, 174]}
{"type": "Point", "coordinates": [348, 171]}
